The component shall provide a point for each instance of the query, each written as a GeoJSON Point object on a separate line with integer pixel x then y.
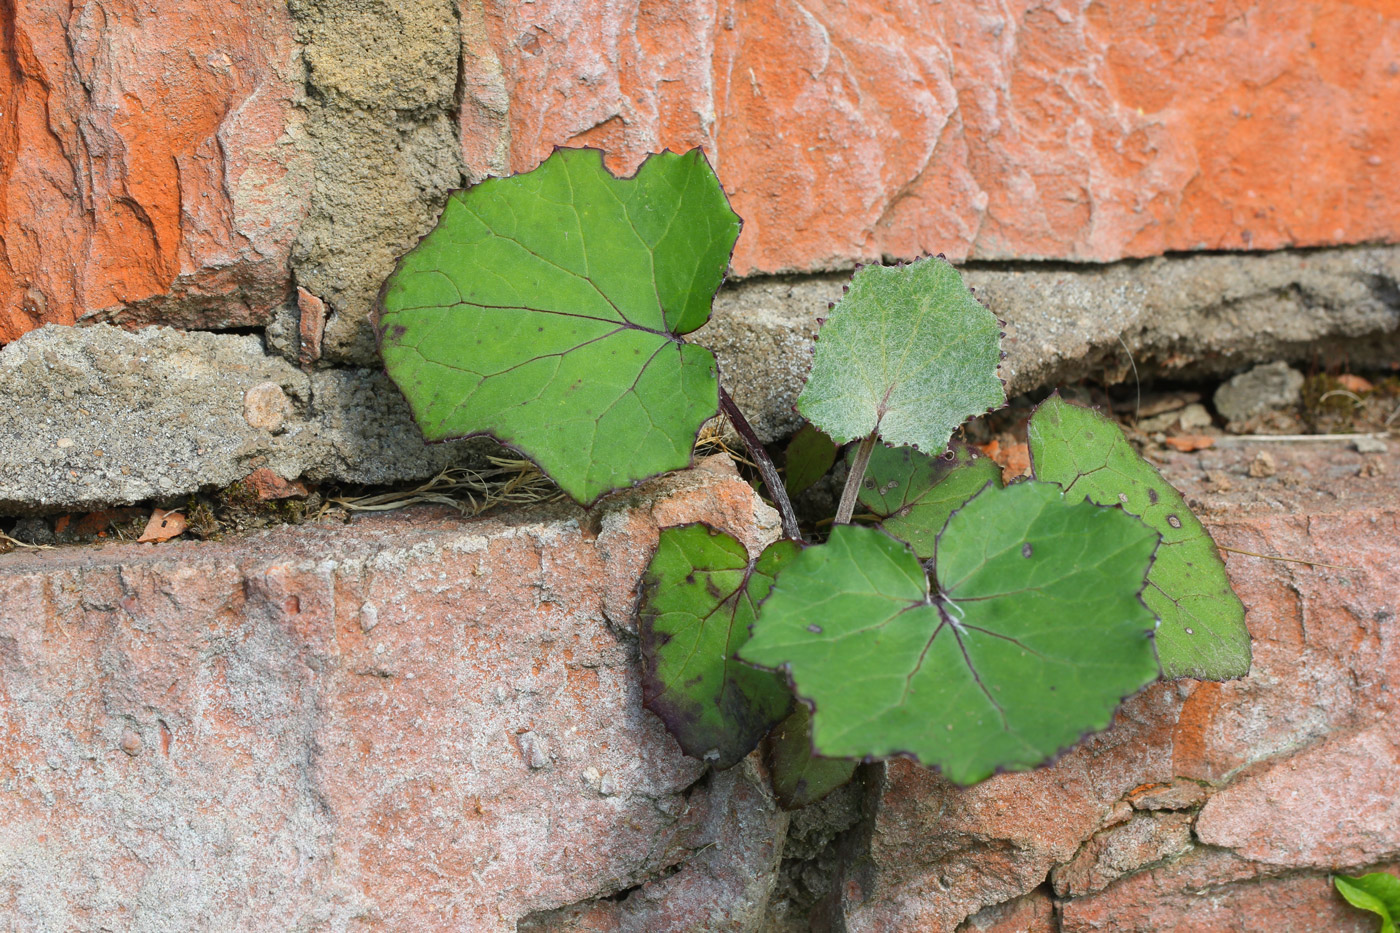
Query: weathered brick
{"type": "Point", "coordinates": [849, 131]}
{"type": "Point", "coordinates": [415, 721]}
{"type": "Point", "coordinates": [148, 171]}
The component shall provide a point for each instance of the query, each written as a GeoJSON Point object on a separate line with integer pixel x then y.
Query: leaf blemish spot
{"type": "Point", "coordinates": [1173, 521]}
{"type": "Point", "coordinates": [814, 629]}
{"type": "Point", "coordinates": [1026, 549]}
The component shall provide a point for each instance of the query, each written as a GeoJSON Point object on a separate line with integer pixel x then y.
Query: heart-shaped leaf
{"type": "Point", "coordinates": [912, 494]}
{"type": "Point", "coordinates": [809, 455]}
{"type": "Point", "coordinates": [800, 777]}
{"type": "Point", "coordinates": [1032, 636]}
{"type": "Point", "coordinates": [698, 601]}
{"type": "Point", "coordinates": [1378, 892]}
{"type": "Point", "coordinates": [907, 353]}
{"type": "Point", "coordinates": [546, 309]}
{"type": "Point", "coordinates": [1203, 633]}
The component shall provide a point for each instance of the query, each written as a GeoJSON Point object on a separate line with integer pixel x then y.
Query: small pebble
{"type": "Point", "coordinates": [535, 750]}
{"type": "Point", "coordinates": [369, 618]}
{"type": "Point", "coordinates": [1262, 465]}
{"type": "Point", "coordinates": [1194, 416]}
{"type": "Point", "coordinates": [130, 743]}
{"type": "Point", "coordinates": [1220, 480]}
{"type": "Point", "coordinates": [1370, 445]}
{"type": "Point", "coordinates": [266, 406]}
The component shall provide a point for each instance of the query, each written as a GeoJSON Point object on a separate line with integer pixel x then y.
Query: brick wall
{"type": "Point", "coordinates": [162, 167]}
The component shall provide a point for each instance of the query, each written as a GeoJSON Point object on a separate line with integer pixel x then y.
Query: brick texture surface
{"type": "Point", "coordinates": [416, 722]}
{"type": "Point", "coordinates": [157, 166]}
{"type": "Point", "coordinates": [148, 170]}
{"type": "Point", "coordinates": [847, 131]}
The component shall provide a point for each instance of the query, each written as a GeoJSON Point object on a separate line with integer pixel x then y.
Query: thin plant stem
{"type": "Point", "coordinates": [1291, 560]}
{"type": "Point", "coordinates": [776, 490]}
{"type": "Point", "coordinates": [848, 494]}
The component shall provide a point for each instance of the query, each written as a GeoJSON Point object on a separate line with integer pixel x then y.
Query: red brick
{"type": "Point", "coordinates": [1334, 804]}
{"type": "Point", "coordinates": [1033, 913]}
{"type": "Point", "coordinates": [416, 721]}
{"type": "Point", "coordinates": [850, 131]}
{"type": "Point", "coordinates": [1115, 852]}
{"type": "Point", "coordinates": [268, 486]}
{"type": "Point", "coordinates": [1212, 892]}
{"type": "Point", "coordinates": [144, 171]}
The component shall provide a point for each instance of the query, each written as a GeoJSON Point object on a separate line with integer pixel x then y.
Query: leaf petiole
{"type": "Point", "coordinates": [848, 494]}
{"type": "Point", "coordinates": [776, 489]}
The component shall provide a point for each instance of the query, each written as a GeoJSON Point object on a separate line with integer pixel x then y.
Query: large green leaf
{"type": "Point", "coordinates": [908, 353]}
{"type": "Point", "coordinates": [1202, 632]}
{"type": "Point", "coordinates": [1378, 892]}
{"type": "Point", "coordinates": [912, 494]}
{"type": "Point", "coordinates": [698, 601]}
{"type": "Point", "coordinates": [546, 309]}
{"type": "Point", "coordinates": [1031, 637]}
{"type": "Point", "coordinates": [800, 777]}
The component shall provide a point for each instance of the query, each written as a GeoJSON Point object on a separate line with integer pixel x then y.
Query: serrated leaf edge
{"type": "Point", "coordinates": [899, 264]}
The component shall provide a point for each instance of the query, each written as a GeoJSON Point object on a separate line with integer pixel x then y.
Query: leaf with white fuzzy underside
{"type": "Point", "coordinates": [908, 353]}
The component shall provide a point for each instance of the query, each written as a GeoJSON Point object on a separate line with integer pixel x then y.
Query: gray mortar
{"type": "Point", "coordinates": [100, 416]}
{"type": "Point", "coordinates": [1182, 318]}
{"type": "Point", "coordinates": [381, 129]}
{"type": "Point", "coordinates": [165, 407]}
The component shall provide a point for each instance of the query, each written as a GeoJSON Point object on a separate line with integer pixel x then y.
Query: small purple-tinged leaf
{"type": "Point", "coordinates": [698, 599]}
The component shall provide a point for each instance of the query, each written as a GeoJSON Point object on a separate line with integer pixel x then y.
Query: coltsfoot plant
{"type": "Point", "coordinates": [972, 626]}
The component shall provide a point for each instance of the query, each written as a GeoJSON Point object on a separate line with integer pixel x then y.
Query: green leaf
{"type": "Point", "coordinates": [800, 777]}
{"type": "Point", "coordinates": [912, 493]}
{"type": "Point", "coordinates": [908, 353]}
{"type": "Point", "coordinates": [1202, 633]}
{"type": "Point", "coordinates": [698, 601]}
{"type": "Point", "coordinates": [810, 454]}
{"type": "Point", "coordinates": [1378, 892]}
{"type": "Point", "coordinates": [546, 309]}
{"type": "Point", "coordinates": [1032, 637]}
